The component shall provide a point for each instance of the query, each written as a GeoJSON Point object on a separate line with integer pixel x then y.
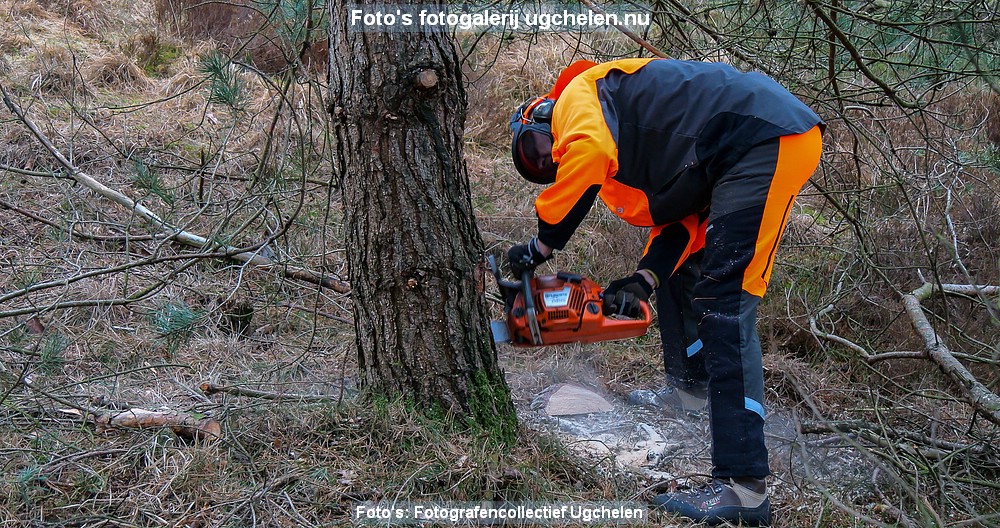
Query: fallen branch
{"type": "Point", "coordinates": [814, 329]}
{"type": "Point", "coordinates": [26, 172]}
{"type": "Point", "coordinates": [185, 425]}
{"type": "Point", "coordinates": [72, 231]}
{"type": "Point", "coordinates": [959, 289]}
{"type": "Point", "coordinates": [842, 427]}
{"type": "Point", "coordinates": [982, 399]}
{"type": "Point", "coordinates": [889, 505]}
{"type": "Point", "coordinates": [212, 388]}
{"type": "Point", "coordinates": [862, 351]}
{"type": "Point", "coordinates": [871, 358]}
{"type": "Point", "coordinates": [188, 426]}
{"type": "Point", "coordinates": [172, 232]}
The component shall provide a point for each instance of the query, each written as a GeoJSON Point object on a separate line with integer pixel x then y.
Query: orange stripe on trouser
{"type": "Point", "coordinates": [798, 157]}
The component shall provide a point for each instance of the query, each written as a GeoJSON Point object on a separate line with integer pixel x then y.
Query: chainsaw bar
{"type": "Point", "coordinates": [500, 332]}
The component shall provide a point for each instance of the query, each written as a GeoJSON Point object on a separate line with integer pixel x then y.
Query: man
{"type": "Point", "coordinates": [711, 159]}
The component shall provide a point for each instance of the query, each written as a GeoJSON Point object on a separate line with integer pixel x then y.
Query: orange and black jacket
{"type": "Point", "coordinates": [650, 136]}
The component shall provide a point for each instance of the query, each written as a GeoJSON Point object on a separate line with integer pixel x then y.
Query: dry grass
{"type": "Point", "coordinates": [117, 72]}
{"type": "Point", "coordinates": [91, 16]}
{"type": "Point", "coordinates": [262, 33]}
{"type": "Point", "coordinates": [56, 71]}
{"type": "Point", "coordinates": [284, 465]}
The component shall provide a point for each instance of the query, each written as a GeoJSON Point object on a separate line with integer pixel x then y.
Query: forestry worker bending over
{"type": "Point", "coordinates": [711, 159]}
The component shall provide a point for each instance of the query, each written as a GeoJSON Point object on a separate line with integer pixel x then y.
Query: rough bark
{"type": "Point", "coordinates": [398, 107]}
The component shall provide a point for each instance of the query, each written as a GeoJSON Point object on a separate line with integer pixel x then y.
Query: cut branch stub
{"type": "Point", "coordinates": [427, 79]}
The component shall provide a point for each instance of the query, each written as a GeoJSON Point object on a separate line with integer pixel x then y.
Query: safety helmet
{"type": "Point", "coordinates": [531, 140]}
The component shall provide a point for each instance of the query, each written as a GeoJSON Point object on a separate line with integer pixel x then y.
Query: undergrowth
{"type": "Point", "coordinates": [282, 463]}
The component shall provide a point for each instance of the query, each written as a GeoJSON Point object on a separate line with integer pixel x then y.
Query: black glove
{"type": "Point", "coordinates": [623, 296]}
{"type": "Point", "coordinates": [525, 257]}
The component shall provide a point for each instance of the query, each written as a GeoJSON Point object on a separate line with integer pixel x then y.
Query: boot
{"type": "Point", "coordinates": [690, 401]}
{"type": "Point", "coordinates": [741, 501]}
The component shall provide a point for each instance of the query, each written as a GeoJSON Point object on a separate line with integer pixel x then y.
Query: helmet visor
{"type": "Point", "coordinates": [533, 155]}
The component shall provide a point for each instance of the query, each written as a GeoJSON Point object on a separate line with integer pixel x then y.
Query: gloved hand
{"type": "Point", "coordinates": [623, 296]}
{"type": "Point", "coordinates": [525, 257]}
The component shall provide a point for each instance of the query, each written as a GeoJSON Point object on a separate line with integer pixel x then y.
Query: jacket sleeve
{"type": "Point", "coordinates": [587, 156]}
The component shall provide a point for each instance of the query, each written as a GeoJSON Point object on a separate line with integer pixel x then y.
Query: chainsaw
{"type": "Point", "coordinates": [556, 309]}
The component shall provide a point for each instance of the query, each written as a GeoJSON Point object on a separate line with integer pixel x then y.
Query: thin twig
{"type": "Point", "coordinates": [900, 515]}
{"type": "Point", "coordinates": [628, 32]}
{"type": "Point", "coordinates": [871, 358]}
{"type": "Point", "coordinates": [173, 233]}
{"type": "Point", "coordinates": [26, 172]}
{"type": "Point", "coordinates": [856, 426]}
{"type": "Point", "coordinates": [73, 232]}
{"type": "Point", "coordinates": [856, 57]}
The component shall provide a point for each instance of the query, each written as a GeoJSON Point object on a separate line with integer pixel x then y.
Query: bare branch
{"type": "Point", "coordinates": [856, 56]}
{"type": "Point", "coordinates": [173, 233]}
{"type": "Point", "coordinates": [71, 231]}
{"type": "Point", "coordinates": [978, 395]}
{"type": "Point", "coordinates": [628, 32]}
{"type": "Point", "coordinates": [856, 426]}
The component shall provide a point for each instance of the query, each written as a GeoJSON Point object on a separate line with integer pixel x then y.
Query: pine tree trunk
{"type": "Point", "coordinates": [398, 107]}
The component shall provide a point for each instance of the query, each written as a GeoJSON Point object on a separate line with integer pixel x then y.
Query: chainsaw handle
{"type": "Point", "coordinates": [646, 317]}
{"type": "Point", "coordinates": [647, 313]}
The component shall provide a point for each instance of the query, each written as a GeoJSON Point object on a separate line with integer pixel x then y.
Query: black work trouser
{"type": "Point", "coordinates": [707, 308]}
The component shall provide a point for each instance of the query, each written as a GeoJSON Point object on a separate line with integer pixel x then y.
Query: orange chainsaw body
{"type": "Point", "coordinates": [568, 309]}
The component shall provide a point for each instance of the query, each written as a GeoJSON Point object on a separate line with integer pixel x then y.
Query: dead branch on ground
{"type": "Point", "coordinates": [926, 445]}
{"type": "Point", "coordinates": [983, 400]}
{"type": "Point", "coordinates": [212, 388]}
{"type": "Point", "coordinates": [184, 425]}
{"type": "Point", "coordinates": [189, 426]}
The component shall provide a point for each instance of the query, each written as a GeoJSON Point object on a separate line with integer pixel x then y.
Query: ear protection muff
{"type": "Point", "coordinates": [531, 143]}
{"type": "Point", "coordinates": [538, 110]}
